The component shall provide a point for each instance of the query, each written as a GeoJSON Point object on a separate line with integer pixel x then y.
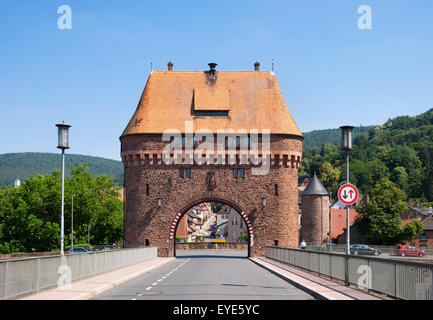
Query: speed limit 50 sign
{"type": "Point", "coordinates": [348, 194]}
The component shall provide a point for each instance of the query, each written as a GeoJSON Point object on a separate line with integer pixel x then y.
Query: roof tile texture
{"type": "Point", "coordinates": [253, 98]}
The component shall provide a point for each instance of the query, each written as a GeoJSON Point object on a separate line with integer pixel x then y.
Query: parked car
{"type": "Point", "coordinates": [363, 249]}
{"type": "Point", "coordinates": [79, 250]}
{"type": "Point", "coordinates": [405, 250]}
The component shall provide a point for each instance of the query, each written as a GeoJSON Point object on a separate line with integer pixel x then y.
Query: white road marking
{"type": "Point", "coordinates": [168, 274]}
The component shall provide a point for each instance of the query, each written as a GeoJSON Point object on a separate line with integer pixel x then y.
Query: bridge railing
{"type": "Point", "coordinates": [22, 277]}
{"type": "Point", "coordinates": [396, 278]}
{"type": "Point", "coordinates": [341, 248]}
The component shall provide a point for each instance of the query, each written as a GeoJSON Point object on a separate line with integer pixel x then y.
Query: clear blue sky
{"type": "Point", "coordinates": [331, 72]}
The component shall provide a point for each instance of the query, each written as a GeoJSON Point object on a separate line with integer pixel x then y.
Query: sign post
{"type": "Point", "coordinates": [348, 195]}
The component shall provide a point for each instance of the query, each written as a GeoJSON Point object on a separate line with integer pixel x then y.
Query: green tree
{"type": "Point", "coordinates": [377, 169]}
{"type": "Point", "coordinates": [330, 177]}
{"type": "Point", "coordinates": [411, 230]}
{"type": "Point", "coordinates": [400, 178]}
{"type": "Point", "coordinates": [30, 214]}
{"type": "Point", "coordinates": [379, 222]}
{"type": "Point", "coordinates": [359, 175]}
{"type": "Point", "coordinates": [244, 236]}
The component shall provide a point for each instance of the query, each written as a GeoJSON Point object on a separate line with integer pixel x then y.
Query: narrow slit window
{"type": "Point", "coordinates": [181, 173]}
{"type": "Point", "coordinates": [235, 173]}
{"type": "Point", "coordinates": [147, 189]}
{"type": "Point", "coordinates": [242, 173]}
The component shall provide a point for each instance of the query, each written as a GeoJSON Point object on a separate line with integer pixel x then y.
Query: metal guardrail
{"type": "Point", "coordinates": [21, 277]}
{"type": "Point", "coordinates": [386, 250]}
{"type": "Point", "coordinates": [396, 278]}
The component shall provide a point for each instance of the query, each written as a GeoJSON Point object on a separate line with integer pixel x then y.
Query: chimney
{"type": "Point", "coordinates": [212, 66]}
{"type": "Point", "coordinates": [257, 66]}
{"type": "Point", "coordinates": [170, 66]}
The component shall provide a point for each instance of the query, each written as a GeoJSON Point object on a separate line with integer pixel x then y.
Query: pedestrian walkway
{"type": "Point", "coordinates": [319, 287]}
{"type": "Point", "coordinates": [87, 288]}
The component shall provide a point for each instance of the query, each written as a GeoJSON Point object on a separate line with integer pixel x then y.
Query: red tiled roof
{"type": "Point", "coordinates": [253, 100]}
{"type": "Point", "coordinates": [338, 221]}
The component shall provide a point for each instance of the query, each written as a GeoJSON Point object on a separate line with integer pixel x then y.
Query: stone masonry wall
{"type": "Point", "coordinates": [315, 218]}
{"type": "Point", "coordinates": [277, 221]}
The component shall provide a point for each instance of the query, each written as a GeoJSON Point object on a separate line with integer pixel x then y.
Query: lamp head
{"type": "Point", "coordinates": [63, 136]}
{"type": "Point", "coordinates": [346, 138]}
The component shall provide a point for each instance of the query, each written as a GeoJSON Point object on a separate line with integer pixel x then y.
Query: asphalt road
{"type": "Point", "coordinates": [207, 275]}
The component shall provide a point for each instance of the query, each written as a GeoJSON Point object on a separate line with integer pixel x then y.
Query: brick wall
{"type": "Point", "coordinates": [315, 218]}
{"type": "Point", "coordinates": [277, 221]}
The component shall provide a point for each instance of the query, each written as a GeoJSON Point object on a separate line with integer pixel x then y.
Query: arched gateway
{"type": "Point", "coordinates": [224, 136]}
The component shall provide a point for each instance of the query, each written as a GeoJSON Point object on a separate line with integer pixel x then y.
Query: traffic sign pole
{"type": "Point", "coordinates": [347, 227]}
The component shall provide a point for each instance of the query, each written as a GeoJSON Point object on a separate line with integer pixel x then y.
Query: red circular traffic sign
{"type": "Point", "coordinates": [348, 194]}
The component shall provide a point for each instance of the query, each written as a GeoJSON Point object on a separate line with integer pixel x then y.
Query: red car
{"type": "Point", "coordinates": [405, 250]}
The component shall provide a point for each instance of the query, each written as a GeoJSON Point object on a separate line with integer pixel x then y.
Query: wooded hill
{"type": "Point", "coordinates": [401, 150]}
{"type": "Point", "coordinates": [23, 165]}
{"type": "Point", "coordinates": [317, 138]}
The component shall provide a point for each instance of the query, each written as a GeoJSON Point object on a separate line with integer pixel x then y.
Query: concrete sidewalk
{"type": "Point", "coordinates": [316, 286]}
{"type": "Point", "coordinates": [87, 288]}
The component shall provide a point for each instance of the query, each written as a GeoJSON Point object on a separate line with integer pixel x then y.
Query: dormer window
{"type": "Point", "coordinates": [211, 102]}
{"type": "Point", "coordinates": [211, 113]}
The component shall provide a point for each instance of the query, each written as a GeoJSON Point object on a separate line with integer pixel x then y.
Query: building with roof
{"type": "Point", "coordinates": [226, 105]}
{"type": "Point", "coordinates": [315, 212]}
{"type": "Point", "coordinates": [425, 240]}
{"type": "Point", "coordinates": [339, 225]}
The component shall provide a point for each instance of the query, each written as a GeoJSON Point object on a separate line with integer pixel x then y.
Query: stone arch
{"type": "Point", "coordinates": [186, 208]}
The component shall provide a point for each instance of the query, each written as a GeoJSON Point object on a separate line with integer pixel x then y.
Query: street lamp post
{"type": "Point", "coordinates": [330, 220]}
{"type": "Point", "coordinates": [63, 143]}
{"type": "Point", "coordinates": [346, 146]}
{"type": "Point", "coordinates": [72, 222]}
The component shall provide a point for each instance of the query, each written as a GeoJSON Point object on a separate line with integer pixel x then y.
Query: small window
{"type": "Point", "coordinates": [238, 141]}
{"type": "Point", "coordinates": [235, 173]}
{"type": "Point", "coordinates": [275, 242]}
{"type": "Point", "coordinates": [230, 141]}
{"type": "Point", "coordinates": [177, 140]}
{"type": "Point", "coordinates": [147, 189]}
{"type": "Point", "coordinates": [242, 173]}
{"type": "Point", "coordinates": [147, 242]}
{"type": "Point", "coordinates": [424, 236]}
{"type": "Point", "coordinates": [276, 189]}
{"type": "Point", "coordinates": [188, 173]}
{"type": "Point", "coordinates": [181, 173]}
